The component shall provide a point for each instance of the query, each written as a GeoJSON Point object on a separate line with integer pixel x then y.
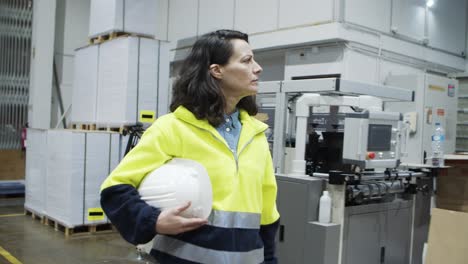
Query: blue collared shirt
{"type": "Point", "coordinates": [230, 130]}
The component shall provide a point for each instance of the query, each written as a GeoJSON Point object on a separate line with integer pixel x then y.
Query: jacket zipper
{"type": "Point", "coordinates": [247, 143]}
{"type": "Point", "coordinates": [230, 150]}
{"type": "Point", "coordinates": [236, 160]}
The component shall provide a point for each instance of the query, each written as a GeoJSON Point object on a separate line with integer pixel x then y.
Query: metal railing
{"type": "Point", "coordinates": [15, 56]}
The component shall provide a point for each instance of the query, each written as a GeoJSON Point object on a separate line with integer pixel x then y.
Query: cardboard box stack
{"type": "Point", "coordinates": [452, 184]}
{"type": "Point", "coordinates": [448, 238]}
{"type": "Point", "coordinates": [448, 232]}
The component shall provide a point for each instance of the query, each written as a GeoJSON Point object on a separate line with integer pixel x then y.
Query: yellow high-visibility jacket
{"type": "Point", "coordinates": [244, 218]}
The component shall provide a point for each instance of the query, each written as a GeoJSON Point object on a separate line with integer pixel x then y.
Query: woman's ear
{"type": "Point", "coordinates": [216, 71]}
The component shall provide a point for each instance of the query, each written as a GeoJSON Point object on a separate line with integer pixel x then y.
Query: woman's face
{"type": "Point", "coordinates": [239, 77]}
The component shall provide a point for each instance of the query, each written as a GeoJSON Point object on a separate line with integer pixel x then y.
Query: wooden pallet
{"type": "Point", "coordinates": [119, 129]}
{"type": "Point", "coordinates": [34, 215]}
{"type": "Point", "coordinates": [106, 37]}
{"type": "Point", "coordinates": [96, 127]}
{"type": "Point", "coordinates": [78, 230]}
{"type": "Point", "coordinates": [84, 126]}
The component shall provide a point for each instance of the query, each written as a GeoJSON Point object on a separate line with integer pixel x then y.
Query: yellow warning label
{"type": "Point", "coordinates": [95, 214]}
{"type": "Point", "coordinates": [147, 116]}
{"type": "Point", "coordinates": [436, 87]}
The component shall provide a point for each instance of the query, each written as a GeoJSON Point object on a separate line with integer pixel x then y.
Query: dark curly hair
{"type": "Point", "coordinates": [196, 89]}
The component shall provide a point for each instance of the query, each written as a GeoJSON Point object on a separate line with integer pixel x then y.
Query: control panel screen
{"type": "Point", "coordinates": [379, 137]}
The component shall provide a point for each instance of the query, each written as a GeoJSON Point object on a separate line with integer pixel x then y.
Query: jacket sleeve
{"type": "Point", "coordinates": [268, 234]}
{"type": "Point", "coordinates": [270, 215]}
{"type": "Point", "coordinates": [133, 217]}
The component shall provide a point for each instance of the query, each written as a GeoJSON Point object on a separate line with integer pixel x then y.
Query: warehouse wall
{"type": "Point", "coordinates": [333, 59]}
{"type": "Point", "coordinates": [13, 164]}
{"type": "Point", "coordinates": [440, 27]}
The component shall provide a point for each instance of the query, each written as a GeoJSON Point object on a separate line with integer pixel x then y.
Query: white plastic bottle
{"type": "Point", "coordinates": [438, 139]}
{"type": "Point", "coordinates": [325, 208]}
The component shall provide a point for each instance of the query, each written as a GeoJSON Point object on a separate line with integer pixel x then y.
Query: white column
{"type": "Point", "coordinates": [42, 53]}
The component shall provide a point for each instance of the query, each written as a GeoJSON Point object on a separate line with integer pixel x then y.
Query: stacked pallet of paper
{"type": "Point", "coordinates": [77, 164]}
{"type": "Point", "coordinates": [127, 80]}
{"type": "Point", "coordinates": [85, 85]}
{"type": "Point", "coordinates": [138, 17]}
{"type": "Point", "coordinates": [116, 82]}
{"type": "Point", "coordinates": [36, 171]}
{"type": "Point", "coordinates": [102, 156]}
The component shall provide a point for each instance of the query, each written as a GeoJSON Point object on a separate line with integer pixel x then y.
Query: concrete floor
{"type": "Point", "coordinates": [29, 241]}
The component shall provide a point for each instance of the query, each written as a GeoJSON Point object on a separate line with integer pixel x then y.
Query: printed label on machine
{"type": "Point", "coordinates": [451, 90]}
{"type": "Point", "coordinates": [440, 112]}
{"type": "Point", "coordinates": [428, 115]}
{"type": "Point", "coordinates": [436, 88]}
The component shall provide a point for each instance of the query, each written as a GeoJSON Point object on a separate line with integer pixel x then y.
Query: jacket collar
{"type": "Point", "coordinates": [251, 125]}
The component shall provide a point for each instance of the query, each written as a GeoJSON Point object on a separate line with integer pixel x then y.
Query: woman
{"type": "Point", "coordinates": [211, 123]}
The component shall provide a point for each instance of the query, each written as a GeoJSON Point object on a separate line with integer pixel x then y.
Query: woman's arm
{"type": "Point", "coordinates": [120, 200]}
{"type": "Point", "coordinates": [134, 218]}
{"type": "Point", "coordinates": [270, 216]}
{"type": "Point", "coordinates": [268, 234]}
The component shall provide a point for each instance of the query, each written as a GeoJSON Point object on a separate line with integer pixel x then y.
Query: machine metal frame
{"type": "Point", "coordinates": [331, 89]}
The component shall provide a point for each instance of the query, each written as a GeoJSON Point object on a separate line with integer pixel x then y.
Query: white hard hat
{"type": "Point", "coordinates": [177, 182]}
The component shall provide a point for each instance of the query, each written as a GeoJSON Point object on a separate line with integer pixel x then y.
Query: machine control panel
{"type": "Point", "coordinates": [372, 139]}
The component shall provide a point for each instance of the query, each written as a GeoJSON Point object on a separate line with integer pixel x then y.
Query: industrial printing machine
{"type": "Point", "coordinates": [334, 134]}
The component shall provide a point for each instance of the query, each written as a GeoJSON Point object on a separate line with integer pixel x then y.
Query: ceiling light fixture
{"type": "Point", "coordinates": [429, 3]}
